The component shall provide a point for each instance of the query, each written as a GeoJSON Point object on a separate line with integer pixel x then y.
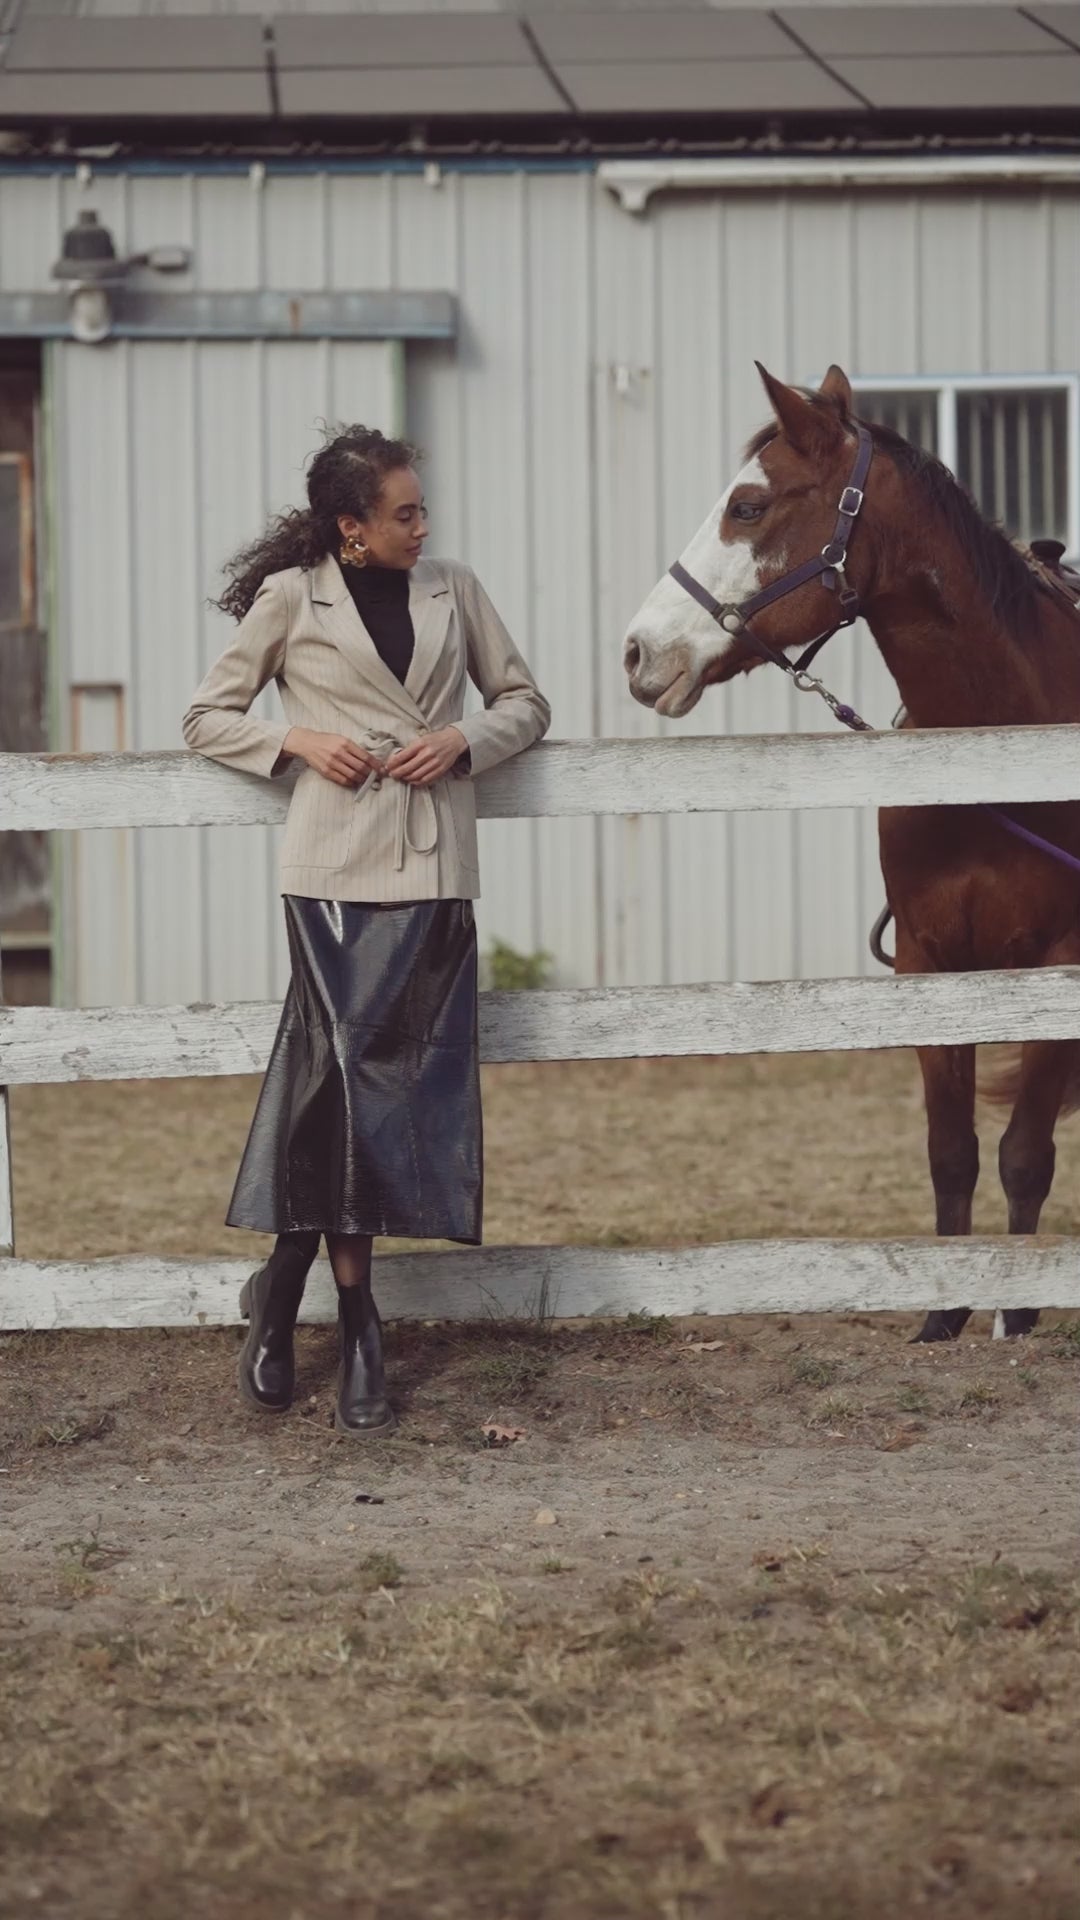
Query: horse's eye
{"type": "Point", "coordinates": [747, 510]}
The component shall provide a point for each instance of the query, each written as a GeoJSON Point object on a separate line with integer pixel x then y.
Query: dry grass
{"type": "Point", "coordinates": [490, 1719]}
{"type": "Point", "coordinates": [615, 1153]}
{"type": "Point", "coordinates": [798, 1742]}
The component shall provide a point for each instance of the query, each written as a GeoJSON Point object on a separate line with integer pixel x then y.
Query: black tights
{"type": "Point", "coordinates": [350, 1257]}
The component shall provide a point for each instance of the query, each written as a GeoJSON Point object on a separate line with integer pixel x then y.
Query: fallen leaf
{"type": "Point", "coordinates": [897, 1442]}
{"type": "Point", "coordinates": [98, 1659]}
{"type": "Point", "coordinates": [496, 1436]}
{"type": "Point", "coordinates": [704, 1346]}
{"type": "Point", "coordinates": [769, 1561]}
{"type": "Point", "coordinates": [770, 1806]}
{"type": "Point", "coordinates": [368, 1500]}
{"type": "Point", "coordinates": [1026, 1617]}
{"type": "Point", "coordinates": [544, 1518]}
{"type": "Point", "coordinates": [1019, 1697]}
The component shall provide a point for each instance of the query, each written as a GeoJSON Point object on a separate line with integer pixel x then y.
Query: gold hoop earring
{"type": "Point", "coordinates": [353, 552]}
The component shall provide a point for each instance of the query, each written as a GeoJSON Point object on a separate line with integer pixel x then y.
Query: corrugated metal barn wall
{"type": "Point", "coordinates": [578, 432]}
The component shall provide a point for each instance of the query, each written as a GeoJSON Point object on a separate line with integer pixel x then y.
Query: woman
{"type": "Point", "coordinates": [369, 1118]}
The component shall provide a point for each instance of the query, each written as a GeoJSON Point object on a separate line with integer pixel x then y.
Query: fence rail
{"type": "Point", "coordinates": [741, 1276]}
{"type": "Point", "coordinates": [691, 774]}
{"type": "Point", "coordinates": [54, 1044]}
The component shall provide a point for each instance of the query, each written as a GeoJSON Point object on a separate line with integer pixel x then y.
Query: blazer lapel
{"type": "Point", "coordinates": [336, 610]}
{"type": "Point", "coordinates": [430, 607]}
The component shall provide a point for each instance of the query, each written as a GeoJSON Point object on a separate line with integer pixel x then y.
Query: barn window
{"type": "Point", "coordinates": [1013, 443]}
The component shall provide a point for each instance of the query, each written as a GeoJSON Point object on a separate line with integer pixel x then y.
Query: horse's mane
{"type": "Point", "coordinates": [1001, 572]}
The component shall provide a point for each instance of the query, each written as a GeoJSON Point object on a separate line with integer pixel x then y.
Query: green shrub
{"type": "Point", "coordinates": [510, 971]}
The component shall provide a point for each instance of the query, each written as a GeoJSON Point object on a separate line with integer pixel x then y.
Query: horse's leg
{"type": "Point", "coordinates": [1026, 1154]}
{"type": "Point", "coordinates": [949, 1082]}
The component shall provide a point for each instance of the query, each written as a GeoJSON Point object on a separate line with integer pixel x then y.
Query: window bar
{"type": "Point", "coordinates": [1070, 518]}
{"type": "Point", "coordinates": [1052, 515]}
{"type": "Point", "coordinates": [973, 479]}
{"type": "Point", "coordinates": [1001, 483]}
{"type": "Point", "coordinates": [946, 426]}
{"type": "Point", "coordinates": [1025, 503]}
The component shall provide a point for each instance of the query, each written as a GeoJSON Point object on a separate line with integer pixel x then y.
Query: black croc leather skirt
{"type": "Point", "coordinates": [369, 1116]}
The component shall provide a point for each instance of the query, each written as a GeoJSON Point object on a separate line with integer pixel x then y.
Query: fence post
{"type": "Point", "coordinates": [7, 1197]}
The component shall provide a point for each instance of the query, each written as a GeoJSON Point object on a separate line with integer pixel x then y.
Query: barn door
{"type": "Point", "coordinates": [170, 455]}
{"type": "Point", "coordinates": [25, 909]}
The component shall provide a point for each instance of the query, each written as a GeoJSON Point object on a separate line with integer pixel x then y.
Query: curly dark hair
{"type": "Point", "coordinates": [345, 477]}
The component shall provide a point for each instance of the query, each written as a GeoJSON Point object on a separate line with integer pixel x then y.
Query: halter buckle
{"type": "Point", "coordinates": [851, 501]}
{"type": "Point", "coordinates": [849, 606]}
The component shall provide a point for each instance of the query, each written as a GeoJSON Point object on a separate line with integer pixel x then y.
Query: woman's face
{"type": "Point", "coordinates": [395, 531]}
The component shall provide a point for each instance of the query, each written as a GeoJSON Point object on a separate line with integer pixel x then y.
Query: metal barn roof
{"type": "Point", "coordinates": [82, 61]}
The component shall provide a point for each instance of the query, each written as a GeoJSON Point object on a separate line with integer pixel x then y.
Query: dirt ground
{"type": "Point", "coordinates": [599, 1153]}
{"type": "Point", "coordinates": [757, 1618]}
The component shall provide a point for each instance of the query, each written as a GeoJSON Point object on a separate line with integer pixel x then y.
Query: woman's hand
{"type": "Point", "coordinates": [332, 755]}
{"type": "Point", "coordinates": [427, 758]}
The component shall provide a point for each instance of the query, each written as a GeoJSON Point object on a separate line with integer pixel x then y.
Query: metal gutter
{"type": "Point", "coordinates": [431, 166]}
{"type": "Point", "coordinates": [635, 181]}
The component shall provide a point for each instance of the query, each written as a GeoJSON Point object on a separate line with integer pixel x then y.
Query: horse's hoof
{"type": "Point", "coordinates": [1016, 1321]}
{"type": "Point", "coordinates": [942, 1326]}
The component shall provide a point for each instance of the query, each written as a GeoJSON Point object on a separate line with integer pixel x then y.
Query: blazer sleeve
{"type": "Point", "coordinates": [218, 723]}
{"type": "Point", "coordinates": [515, 711]}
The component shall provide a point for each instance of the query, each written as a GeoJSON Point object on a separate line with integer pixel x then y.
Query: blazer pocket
{"type": "Point", "coordinates": [319, 825]}
{"type": "Point", "coordinates": [462, 800]}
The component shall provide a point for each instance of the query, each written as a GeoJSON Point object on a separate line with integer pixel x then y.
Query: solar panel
{"type": "Point", "coordinates": [120, 96]}
{"type": "Point", "coordinates": [864, 32]}
{"type": "Point", "coordinates": [968, 83]}
{"type": "Point", "coordinates": [1059, 20]}
{"type": "Point", "coordinates": [675, 34]}
{"type": "Point", "coordinates": [49, 45]}
{"type": "Point", "coordinates": [400, 40]}
{"type": "Point", "coordinates": [712, 86]}
{"type": "Point", "coordinates": [342, 92]}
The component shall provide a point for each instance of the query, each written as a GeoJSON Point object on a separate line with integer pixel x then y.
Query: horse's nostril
{"type": "Point", "coordinates": [631, 656]}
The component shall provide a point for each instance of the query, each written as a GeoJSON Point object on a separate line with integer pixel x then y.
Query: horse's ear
{"type": "Point", "coordinates": [804, 424]}
{"type": "Point", "coordinates": [837, 387]}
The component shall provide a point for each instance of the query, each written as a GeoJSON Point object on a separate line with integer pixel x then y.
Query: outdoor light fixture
{"type": "Point", "coordinates": [90, 267]}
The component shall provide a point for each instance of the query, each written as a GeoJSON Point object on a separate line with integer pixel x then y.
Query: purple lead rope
{"type": "Point", "coordinates": [849, 718]}
{"type": "Point", "coordinates": [1033, 839]}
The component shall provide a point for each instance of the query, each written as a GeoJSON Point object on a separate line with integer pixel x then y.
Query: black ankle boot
{"type": "Point", "coordinates": [270, 1300]}
{"type": "Point", "coordinates": [362, 1406]}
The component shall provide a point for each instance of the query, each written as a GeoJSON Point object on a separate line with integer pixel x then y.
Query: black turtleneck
{"type": "Point", "coordinates": [381, 598]}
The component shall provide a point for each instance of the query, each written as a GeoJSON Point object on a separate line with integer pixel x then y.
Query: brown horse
{"type": "Point", "coordinates": [973, 638]}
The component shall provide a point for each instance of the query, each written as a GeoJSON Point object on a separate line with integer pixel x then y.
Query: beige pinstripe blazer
{"type": "Point", "coordinates": [384, 840]}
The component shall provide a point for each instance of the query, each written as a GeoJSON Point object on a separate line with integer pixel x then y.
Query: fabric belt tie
{"type": "Point", "coordinates": [406, 794]}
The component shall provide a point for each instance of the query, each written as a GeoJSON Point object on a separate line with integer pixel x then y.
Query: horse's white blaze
{"type": "Point", "coordinates": [675, 639]}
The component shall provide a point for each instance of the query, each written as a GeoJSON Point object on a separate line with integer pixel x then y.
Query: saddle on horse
{"type": "Point", "coordinates": [1049, 567]}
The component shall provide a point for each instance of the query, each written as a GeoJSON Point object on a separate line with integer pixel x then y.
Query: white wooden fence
{"type": "Point", "coordinates": [571, 778]}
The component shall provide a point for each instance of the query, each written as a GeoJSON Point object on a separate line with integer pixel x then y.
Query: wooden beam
{"type": "Point", "coordinates": [533, 1283]}
{"type": "Point", "coordinates": [56, 1044]}
{"type": "Point", "coordinates": [693, 773]}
